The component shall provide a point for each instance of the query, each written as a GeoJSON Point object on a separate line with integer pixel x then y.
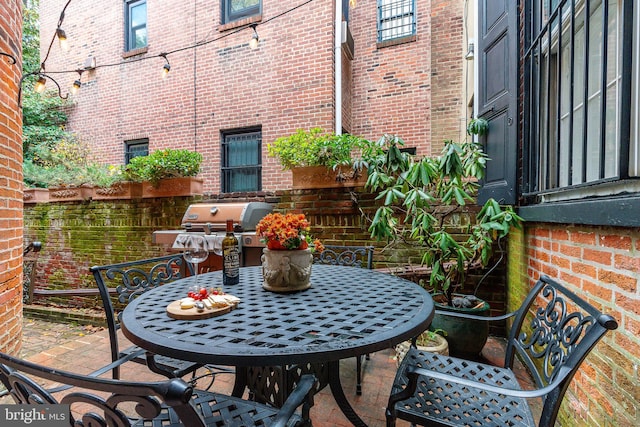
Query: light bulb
{"type": "Point", "coordinates": [253, 43]}
{"type": "Point", "coordinates": [40, 84]}
{"type": "Point", "coordinates": [62, 39]}
{"type": "Point", "coordinates": [76, 87]}
{"type": "Point", "coordinates": [165, 70]}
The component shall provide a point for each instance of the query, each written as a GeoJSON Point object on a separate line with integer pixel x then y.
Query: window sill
{"type": "Point", "coordinates": [620, 211]}
{"type": "Point", "coordinates": [135, 52]}
{"type": "Point", "coordinates": [395, 42]}
{"type": "Point", "coordinates": [240, 23]}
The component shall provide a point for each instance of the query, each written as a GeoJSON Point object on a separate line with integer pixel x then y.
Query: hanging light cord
{"type": "Point", "coordinates": [193, 46]}
{"type": "Point", "coordinates": [41, 71]}
{"type": "Point", "coordinates": [58, 27]}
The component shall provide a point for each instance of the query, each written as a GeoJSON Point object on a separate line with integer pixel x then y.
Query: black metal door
{"type": "Point", "coordinates": [497, 96]}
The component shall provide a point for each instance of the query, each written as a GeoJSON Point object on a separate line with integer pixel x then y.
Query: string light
{"type": "Point", "coordinates": [61, 36]}
{"type": "Point", "coordinates": [41, 84]}
{"type": "Point", "coordinates": [62, 39]}
{"type": "Point", "coordinates": [166, 67]}
{"type": "Point", "coordinates": [255, 39]}
{"type": "Point", "coordinates": [77, 84]}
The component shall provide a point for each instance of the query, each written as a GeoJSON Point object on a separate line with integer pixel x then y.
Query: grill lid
{"type": "Point", "coordinates": [214, 215]}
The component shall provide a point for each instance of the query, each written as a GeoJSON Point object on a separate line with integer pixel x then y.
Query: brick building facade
{"type": "Point", "coordinates": [10, 177]}
{"type": "Point", "coordinates": [410, 86]}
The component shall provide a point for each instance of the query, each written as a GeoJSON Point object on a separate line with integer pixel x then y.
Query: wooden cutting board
{"type": "Point", "coordinates": [176, 312]}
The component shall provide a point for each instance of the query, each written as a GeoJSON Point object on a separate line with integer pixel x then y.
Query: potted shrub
{"type": "Point", "coordinates": [318, 159]}
{"type": "Point", "coordinates": [167, 172]}
{"type": "Point", "coordinates": [420, 197]}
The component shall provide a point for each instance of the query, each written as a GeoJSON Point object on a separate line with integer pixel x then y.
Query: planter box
{"type": "Point", "coordinates": [323, 177]}
{"type": "Point", "coordinates": [67, 194]}
{"type": "Point", "coordinates": [35, 195]}
{"type": "Point", "coordinates": [189, 186]}
{"type": "Point", "coordinates": [120, 190]}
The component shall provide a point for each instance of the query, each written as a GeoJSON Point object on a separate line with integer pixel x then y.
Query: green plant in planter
{"type": "Point", "coordinates": [162, 164]}
{"type": "Point", "coordinates": [420, 198]}
{"type": "Point", "coordinates": [316, 147]}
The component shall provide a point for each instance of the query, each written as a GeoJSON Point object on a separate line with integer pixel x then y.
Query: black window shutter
{"type": "Point", "coordinates": [497, 97]}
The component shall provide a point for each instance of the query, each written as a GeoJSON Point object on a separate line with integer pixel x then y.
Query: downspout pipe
{"type": "Point", "coordinates": [338, 67]}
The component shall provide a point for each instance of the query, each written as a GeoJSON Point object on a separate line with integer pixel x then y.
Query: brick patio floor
{"type": "Point", "coordinates": [83, 349]}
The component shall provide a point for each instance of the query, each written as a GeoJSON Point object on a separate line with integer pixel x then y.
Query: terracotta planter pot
{"type": "Point", "coordinates": [35, 195]}
{"type": "Point", "coordinates": [310, 177]}
{"type": "Point", "coordinates": [188, 186]}
{"type": "Point", "coordinates": [68, 194]}
{"type": "Point", "coordinates": [119, 190]}
{"type": "Point", "coordinates": [286, 271]}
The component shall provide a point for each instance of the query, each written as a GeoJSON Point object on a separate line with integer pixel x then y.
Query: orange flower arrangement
{"type": "Point", "coordinates": [287, 232]}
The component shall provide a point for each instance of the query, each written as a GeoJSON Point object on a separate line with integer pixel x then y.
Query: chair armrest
{"type": "Point", "coordinates": [414, 372]}
{"type": "Point", "coordinates": [474, 317]}
{"type": "Point", "coordinates": [301, 395]}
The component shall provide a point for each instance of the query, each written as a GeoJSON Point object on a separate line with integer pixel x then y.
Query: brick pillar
{"type": "Point", "coordinates": [10, 178]}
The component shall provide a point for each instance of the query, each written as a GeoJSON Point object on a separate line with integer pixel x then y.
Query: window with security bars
{"type": "Point", "coordinates": [136, 24]}
{"type": "Point", "coordinates": [233, 10]}
{"type": "Point", "coordinates": [135, 148]}
{"type": "Point", "coordinates": [581, 97]}
{"type": "Point", "coordinates": [396, 19]}
{"type": "Point", "coordinates": [241, 161]}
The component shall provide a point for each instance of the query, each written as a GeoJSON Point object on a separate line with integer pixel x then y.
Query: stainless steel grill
{"type": "Point", "coordinates": [209, 219]}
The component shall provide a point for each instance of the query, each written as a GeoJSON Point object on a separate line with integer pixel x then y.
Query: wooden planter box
{"type": "Point", "coordinates": [120, 190]}
{"type": "Point", "coordinates": [310, 177]}
{"type": "Point", "coordinates": [189, 186]}
{"type": "Point", "coordinates": [35, 195]}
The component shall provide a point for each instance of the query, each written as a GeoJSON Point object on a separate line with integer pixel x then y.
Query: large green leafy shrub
{"type": "Point", "coordinates": [316, 147]}
{"type": "Point", "coordinates": [421, 196]}
{"type": "Point", "coordinates": [161, 164]}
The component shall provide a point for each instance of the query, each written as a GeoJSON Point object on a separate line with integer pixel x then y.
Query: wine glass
{"type": "Point", "coordinates": [195, 252]}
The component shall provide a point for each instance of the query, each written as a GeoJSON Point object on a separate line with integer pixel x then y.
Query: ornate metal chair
{"type": "Point", "coordinates": [551, 338]}
{"type": "Point", "coordinates": [129, 280]}
{"type": "Point", "coordinates": [171, 402]}
{"type": "Point", "coordinates": [353, 256]}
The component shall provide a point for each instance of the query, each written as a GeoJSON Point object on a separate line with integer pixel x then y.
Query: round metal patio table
{"type": "Point", "coordinates": [347, 312]}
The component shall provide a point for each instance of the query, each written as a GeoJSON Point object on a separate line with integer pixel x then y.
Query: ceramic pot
{"type": "Point", "coordinates": [466, 337]}
{"type": "Point", "coordinates": [438, 345]}
{"type": "Point", "coordinates": [286, 271]}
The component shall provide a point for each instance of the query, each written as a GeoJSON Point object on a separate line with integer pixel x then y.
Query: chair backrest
{"type": "Point", "coordinates": [131, 279]}
{"type": "Point", "coordinates": [353, 256]}
{"type": "Point", "coordinates": [552, 333]}
{"type": "Point", "coordinates": [23, 381]}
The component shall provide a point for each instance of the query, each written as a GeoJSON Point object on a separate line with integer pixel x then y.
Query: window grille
{"type": "Point", "coordinates": [580, 101]}
{"type": "Point", "coordinates": [135, 148]}
{"type": "Point", "coordinates": [242, 162]}
{"type": "Point", "coordinates": [396, 19]}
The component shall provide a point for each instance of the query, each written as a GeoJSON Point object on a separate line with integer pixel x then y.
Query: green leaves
{"type": "Point", "coordinates": [317, 147]}
{"type": "Point", "coordinates": [424, 200]}
{"type": "Point", "coordinates": [163, 164]}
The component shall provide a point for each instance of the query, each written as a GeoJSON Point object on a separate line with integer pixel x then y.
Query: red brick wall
{"type": "Point", "coordinates": [10, 179]}
{"type": "Point", "coordinates": [602, 265]}
{"type": "Point", "coordinates": [287, 83]}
